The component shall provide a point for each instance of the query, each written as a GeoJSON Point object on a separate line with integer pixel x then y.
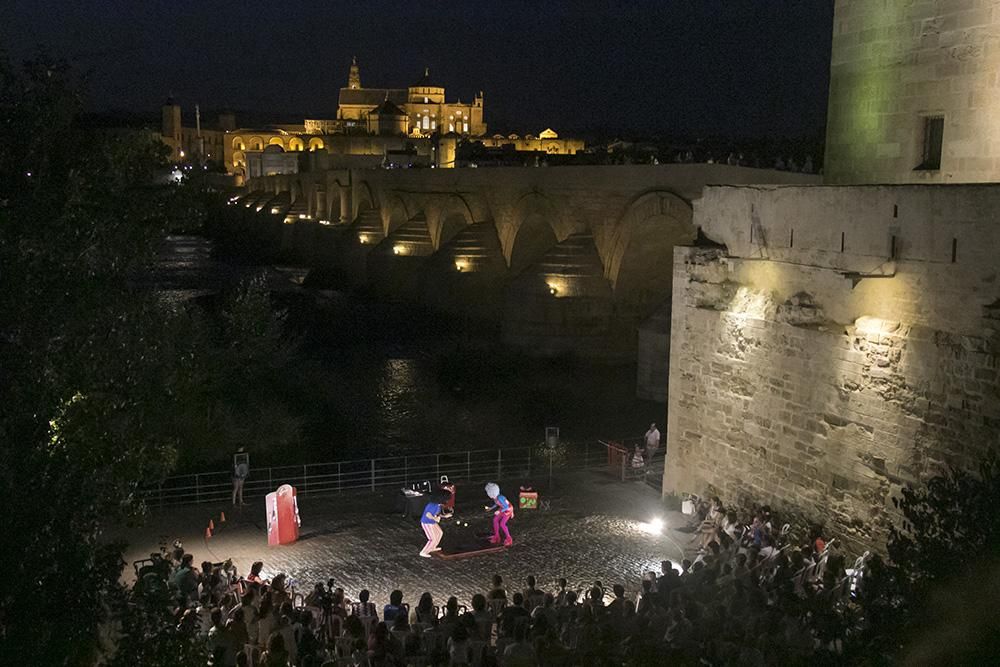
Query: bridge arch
{"type": "Point", "coordinates": [453, 214]}
{"type": "Point", "coordinates": [537, 228]}
{"type": "Point", "coordinates": [395, 214]}
{"type": "Point", "coordinates": [276, 141]}
{"type": "Point", "coordinates": [364, 198]}
{"type": "Point", "coordinates": [640, 264]}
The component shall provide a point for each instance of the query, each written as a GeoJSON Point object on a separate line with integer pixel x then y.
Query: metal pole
{"type": "Point", "coordinates": [197, 489]}
{"type": "Point", "coordinates": [468, 465]}
{"type": "Point", "coordinates": [305, 479]}
{"type": "Point", "coordinates": [499, 462]}
{"type": "Point", "coordinates": [437, 465]}
{"type": "Point", "coordinates": [406, 469]}
{"type": "Point", "coordinates": [373, 474]}
{"type": "Point", "coordinates": [340, 482]}
{"type": "Point", "coordinates": [529, 461]}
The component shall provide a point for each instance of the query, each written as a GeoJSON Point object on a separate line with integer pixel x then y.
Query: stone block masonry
{"type": "Point", "coordinates": [841, 343]}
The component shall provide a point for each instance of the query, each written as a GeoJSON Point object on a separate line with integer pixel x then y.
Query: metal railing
{"type": "Point", "coordinates": [619, 463]}
{"type": "Point", "coordinates": [373, 474]}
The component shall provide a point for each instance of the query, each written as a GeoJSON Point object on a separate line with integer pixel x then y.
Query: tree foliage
{"type": "Point", "coordinates": [101, 379]}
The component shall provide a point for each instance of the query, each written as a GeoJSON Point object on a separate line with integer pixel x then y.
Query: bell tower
{"type": "Point", "coordinates": [354, 78]}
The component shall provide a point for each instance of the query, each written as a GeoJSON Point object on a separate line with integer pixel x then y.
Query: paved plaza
{"type": "Point", "coordinates": [594, 528]}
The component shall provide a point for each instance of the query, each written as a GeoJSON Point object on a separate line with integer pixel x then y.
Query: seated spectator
{"type": "Point", "coordinates": [497, 592]}
{"type": "Point", "coordinates": [637, 460]}
{"type": "Point", "coordinates": [394, 608]}
{"type": "Point", "coordinates": [532, 596]}
{"type": "Point", "coordinates": [519, 653]}
{"type": "Point", "coordinates": [424, 613]}
{"type": "Point", "coordinates": [512, 614]}
{"type": "Point", "coordinates": [617, 607]}
{"type": "Point", "coordinates": [355, 630]}
{"type": "Point", "coordinates": [561, 593]}
{"type": "Point", "coordinates": [459, 647]}
{"type": "Point", "coordinates": [287, 631]}
{"type": "Point", "coordinates": [221, 643]}
{"type": "Point", "coordinates": [276, 655]}
{"type": "Point", "coordinates": [267, 620]}
{"type": "Point", "coordinates": [185, 578]}
{"type": "Point", "coordinates": [482, 617]}
{"type": "Point", "coordinates": [380, 648]}
{"type": "Point", "coordinates": [363, 607]}
{"type": "Point", "coordinates": [238, 629]}
{"type": "Point", "coordinates": [255, 570]}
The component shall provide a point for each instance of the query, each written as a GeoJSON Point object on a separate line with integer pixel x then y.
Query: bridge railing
{"type": "Point", "coordinates": [374, 473]}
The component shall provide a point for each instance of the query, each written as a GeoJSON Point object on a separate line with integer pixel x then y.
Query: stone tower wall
{"type": "Point", "coordinates": [896, 63]}
{"type": "Point", "coordinates": [844, 342]}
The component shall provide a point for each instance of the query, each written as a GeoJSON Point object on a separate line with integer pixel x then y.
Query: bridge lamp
{"type": "Point", "coordinates": [399, 249]}
{"type": "Point", "coordinates": [553, 290]}
{"type": "Point", "coordinates": [363, 238]}
{"type": "Point", "coordinates": [461, 265]}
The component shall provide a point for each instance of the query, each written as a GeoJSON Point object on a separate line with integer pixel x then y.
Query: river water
{"type": "Point", "coordinates": [387, 380]}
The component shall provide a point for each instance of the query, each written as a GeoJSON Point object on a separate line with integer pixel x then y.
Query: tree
{"type": "Point", "coordinates": [946, 543]}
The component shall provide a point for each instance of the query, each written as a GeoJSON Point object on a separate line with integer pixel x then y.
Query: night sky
{"type": "Point", "coordinates": [676, 67]}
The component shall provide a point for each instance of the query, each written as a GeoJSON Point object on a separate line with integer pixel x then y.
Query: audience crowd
{"type": "Point", "coordinates": [748, 597]}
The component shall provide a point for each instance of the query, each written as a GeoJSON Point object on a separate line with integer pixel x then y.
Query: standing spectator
{"type": "Point", "coordinates": [241, 470]}
{"type": "Point", "coordinates": [652, 441]}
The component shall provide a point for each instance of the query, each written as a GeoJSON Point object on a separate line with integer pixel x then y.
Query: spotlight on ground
{"type": "Point", "coordinates": [653, 526]}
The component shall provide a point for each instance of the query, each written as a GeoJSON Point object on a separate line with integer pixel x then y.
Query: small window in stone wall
{"type": "Point", "coordinates": [933, 141]}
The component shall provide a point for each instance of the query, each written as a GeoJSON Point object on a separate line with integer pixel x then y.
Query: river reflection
{"type": "Point", "coordinates": [386, 380]}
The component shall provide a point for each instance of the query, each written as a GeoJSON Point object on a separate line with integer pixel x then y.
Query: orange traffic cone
{"type": "Point", "coordinates": [211, 525]}
{"type": "Point", "coordinates": [208, 532]}
{"type": "Point", "coordinates": [222, 517]}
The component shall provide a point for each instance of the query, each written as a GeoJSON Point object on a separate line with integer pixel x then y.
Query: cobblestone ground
{"type": "Point", "coordinates": [594, 529]}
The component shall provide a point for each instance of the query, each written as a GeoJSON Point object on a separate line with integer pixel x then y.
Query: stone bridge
{"type": "Point", "coordinates": [565, 259]}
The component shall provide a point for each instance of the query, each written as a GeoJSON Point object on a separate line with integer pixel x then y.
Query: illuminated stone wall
{"type": "Point", "coordinates": [895, 63]}
{"type": "Point", "coordinates": [843, 342]}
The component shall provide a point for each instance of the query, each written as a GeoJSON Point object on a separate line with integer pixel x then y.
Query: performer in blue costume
{"type": "Point", "coordinates": [503, 512]}
{"type": "Point", "coordinates": [430, 521]}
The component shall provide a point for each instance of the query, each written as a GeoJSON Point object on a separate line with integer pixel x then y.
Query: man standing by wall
{"type": "Point", "coordinates": [652, 441]}
{"type": "Point", "coordinates": [241, 470]}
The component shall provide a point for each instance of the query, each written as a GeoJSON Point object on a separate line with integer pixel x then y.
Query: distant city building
{"type": "Point", "coordinates": [547, 141]}
{"type": "Point", "coordinates": [371, 127]}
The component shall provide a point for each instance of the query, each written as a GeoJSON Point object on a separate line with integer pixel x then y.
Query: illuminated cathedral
{"type": "Point", "coordinates": [372, 126]}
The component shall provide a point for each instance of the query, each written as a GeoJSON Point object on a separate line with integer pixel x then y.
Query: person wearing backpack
{"type": "Point", "coordinates": [241, 470]}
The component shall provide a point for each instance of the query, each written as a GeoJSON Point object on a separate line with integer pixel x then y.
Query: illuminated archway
{"type": "Point", "coordinates": [276, 141]}
{"type": "Point", "coordinates": [447, 217]}
{"type": "Point", "coordinates": [256, 144]}
{"type": "Point", "coordinates": [295, 144]}
{"type": "Point", "coordinates": [316, 144]}
{"type": "Point", "coordinates": [642, 249]}
{"type": "Point", "coordinates": [238, 144]}
{"type": "Point", "coordinates": [536, 231]}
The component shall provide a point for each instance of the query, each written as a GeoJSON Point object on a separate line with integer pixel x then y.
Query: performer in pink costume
{"type": "Point", "coordinates": [503, 512]}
